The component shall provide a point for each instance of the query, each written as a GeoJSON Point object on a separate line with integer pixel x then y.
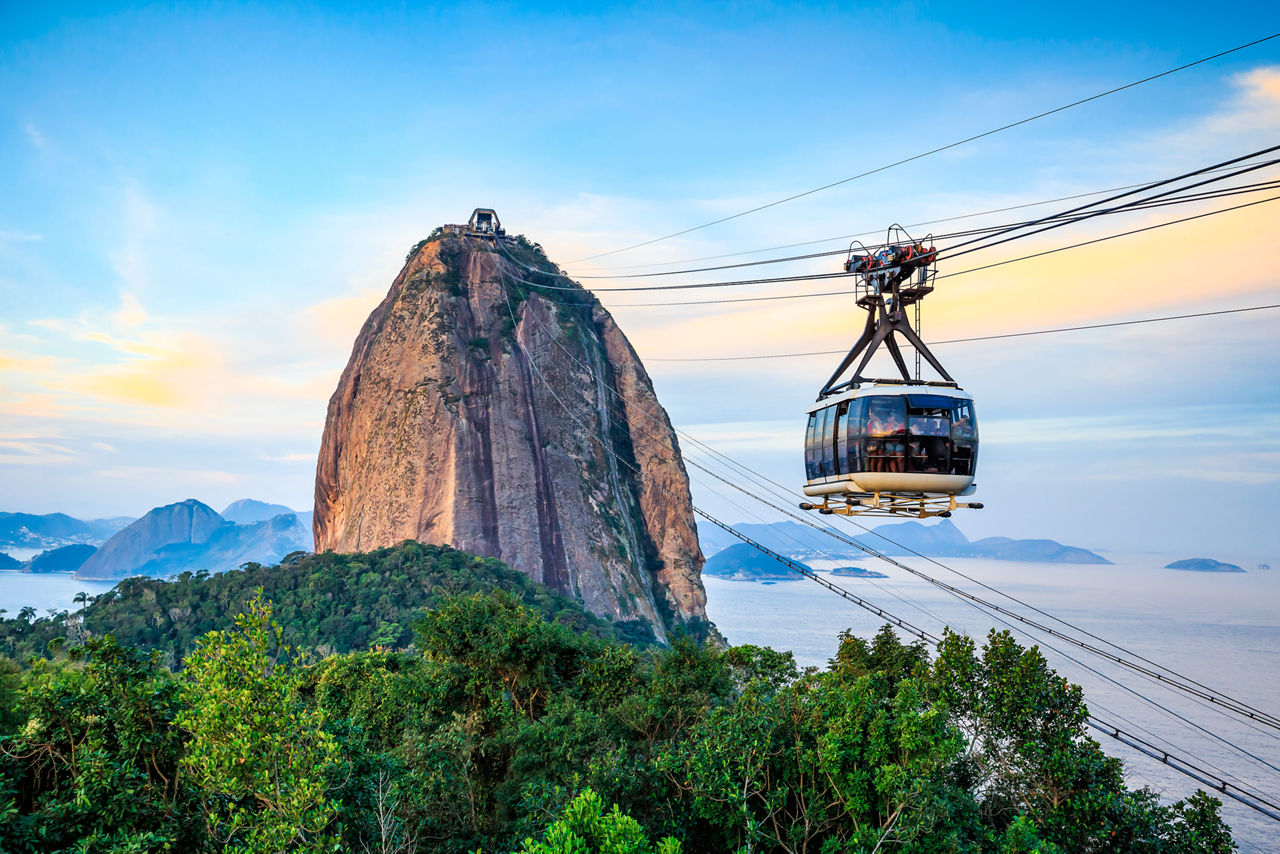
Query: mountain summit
{"type": "Point", "coordinates": [514, 422]}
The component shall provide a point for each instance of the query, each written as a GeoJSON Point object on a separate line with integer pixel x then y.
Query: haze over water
{"type": "Point", "coordinates": [1220, 629]}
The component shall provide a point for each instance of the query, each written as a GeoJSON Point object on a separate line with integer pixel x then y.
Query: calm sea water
{"type": "Point", "coordinates": [44, 591]}
{"type": "Point", "coordinates": [1220, 629]}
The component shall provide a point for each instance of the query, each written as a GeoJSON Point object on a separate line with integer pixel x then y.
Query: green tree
{"type": "Point", "coordinates": [258, 755]}
{"type": "Point", "coordinates": [1031, 764]}
{"type": "Point", "coordinates": [586, 828]}
{"type": "Point", "coordinates": [838, 760]}
{"type": "Point", "coordinates": [91, 761]}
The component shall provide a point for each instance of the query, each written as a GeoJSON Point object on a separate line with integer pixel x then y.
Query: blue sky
{"type": "Point", "coordinates": [199, 204]}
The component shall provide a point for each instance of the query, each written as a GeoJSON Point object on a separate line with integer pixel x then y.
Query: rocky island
{"type": "Point", "coordinates": [747, 563]}
{"type": "Point", "coordinates": [856, 572]}
{"type": "Point", "coordinates": [1203, 564]}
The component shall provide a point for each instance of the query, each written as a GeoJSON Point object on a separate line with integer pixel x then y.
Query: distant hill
{"type": "Point", "coordinates": [1203, 564]}
{"type": "Point", "coordinates": [62, 559]}
{"type": "Point", "coordinates": [249, 510]}
{"type": "Point", "coordinates": [27, 528]}
{"type": "Point", "coordinates": [1036, 551]}
{"type": "Point", "coordinates": [51, 530]}
{"type": "Point", "coordinates": [746, 563]}
{"type": "Point", "coordinates": [942, 539]}
{"type": "Point", "coordinates": [7, 562]}
{"type": "Point", "coordinates": [189, 536]}
{"type": "Point", "coordinates": [187, 522]}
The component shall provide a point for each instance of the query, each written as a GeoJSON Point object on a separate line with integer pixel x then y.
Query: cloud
{"type": "Point", "coordinates": [9, 237]}
{"type": "Point", "coordinates": [739, 436]}
{"type": "Point", "coordinates": [1241, 468]}
{"type": "Point", "coordinates": [176, 475]}
{"type": "Point", "coordinates": [289, 458]}
{"type": "Point", "coordinates": [34, 136]}
{"type": "Point", "coordinates": [138, 218]}
{"type": "Point", "coordinates": [1183, 426]}
{"type": "Point", "coordinates": [1256, 106]}
{"type": "Point", "coordinates": [337, 320]}
{"type": "Point", "coordinates": [131, 313]}
{"type": "Point", "coordinates": [35, 452]}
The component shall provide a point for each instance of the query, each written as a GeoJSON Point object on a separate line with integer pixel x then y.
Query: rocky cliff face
{"type": "Point", "coordinates": [514, 423]}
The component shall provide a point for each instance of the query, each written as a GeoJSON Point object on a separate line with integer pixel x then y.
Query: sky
{"type": "Point", "coordinates": [200, 204]}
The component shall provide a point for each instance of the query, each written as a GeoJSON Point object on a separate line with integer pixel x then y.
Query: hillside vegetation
{"type": "Point", "coordinates": [327, 603]}
{"type": "Point", "coordinates": [504, 726]}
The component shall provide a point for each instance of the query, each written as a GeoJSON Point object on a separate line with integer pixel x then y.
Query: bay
{"type": "Point", "coordinates": [44, 591]}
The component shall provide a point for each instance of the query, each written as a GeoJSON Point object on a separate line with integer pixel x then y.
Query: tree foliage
{"type": "Point", "coordinates": [258, 755]}
{"type": "Point", "coordinates": [326, 603]}
{"type": "Point", "coordinates": [502, 726]}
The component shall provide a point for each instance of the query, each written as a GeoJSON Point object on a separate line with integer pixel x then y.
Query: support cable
{"type": "Point", "coordinates": [1021, 233]}
{"type": "Point", "coordinates": [845, 293]}
{"type": "Point", "coordinates": [543, 286]}
{"type": "Point", "coordinates": [1217, 783]}
{"type": "Point", "coordinates": [1248, 798]}
{"type": "Point", "coordinates": [933, 151]}
{"type": "Point", "coordinates": [992, 230]}
{"type": "Point", "coordinates": [877, 231]}
{"type": "Point", "coordinates": [1187, 686]}
{"type": "Point", "coordinates": [977, 337]}
{"type": "Point", "coordinates": [942, 253]}
{"type": "Point", "coordinates": [1208, 694]}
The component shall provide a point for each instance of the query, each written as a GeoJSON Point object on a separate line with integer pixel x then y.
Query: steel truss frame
{"type": "Point", "coordinates": [915, 505]}
{"type": "Point", "coordinates": [886, 293]}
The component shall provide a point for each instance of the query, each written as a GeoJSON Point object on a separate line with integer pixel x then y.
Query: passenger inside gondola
{"type": "Point", "coordinates": [886, 423]}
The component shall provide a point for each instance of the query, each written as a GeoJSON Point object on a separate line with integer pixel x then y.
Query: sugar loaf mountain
{"type": "Point", "coordinates": [512, 422]}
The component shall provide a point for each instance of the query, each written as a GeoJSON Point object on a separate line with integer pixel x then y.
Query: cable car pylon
{"type": "Point", "coordinates": [898, 446]}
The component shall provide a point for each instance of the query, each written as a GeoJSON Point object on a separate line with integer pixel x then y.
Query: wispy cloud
{"type": "Point", "coordinates": [34, 136]}
{"type": "Point", "coordinates": [35, 452]}
{"type": "Point", "coordinates": [8, 237]}
{"type": "Point", "coordinates": [289, 458]}
{"type": "Point", "coordinates": [137, 222]}
{"type": "Point", "coordinates": [178, 475]}
{"type": "Point", "coordinates": [1213, 424]}
{"type": "Point", "coordinates": [1255, 107]}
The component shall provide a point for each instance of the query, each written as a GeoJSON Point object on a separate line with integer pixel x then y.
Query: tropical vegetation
{"type": "Point", "coordinates": [501, 725]}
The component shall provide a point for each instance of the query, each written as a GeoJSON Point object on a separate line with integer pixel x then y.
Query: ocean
{"type": "Point", "coordinates": [44, 591]}
{"type": "Point", "coordinates": [1220, 629]}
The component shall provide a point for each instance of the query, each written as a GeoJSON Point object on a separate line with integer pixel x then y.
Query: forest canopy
{"type": "Point", "coordinates": [326, 603]}
{"type": "Point", "coordinates": [504, 724]}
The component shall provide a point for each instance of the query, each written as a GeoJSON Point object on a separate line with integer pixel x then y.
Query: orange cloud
{"type": "Point", "coordinates": [338, 319]}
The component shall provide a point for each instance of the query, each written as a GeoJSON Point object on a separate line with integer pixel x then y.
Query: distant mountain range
{"type": "Point", "coordinates": [186, 536]}
{"type": "Point", "coordinates": [31, 531]}
{"type": "Point", "coordinates": [942, 539]}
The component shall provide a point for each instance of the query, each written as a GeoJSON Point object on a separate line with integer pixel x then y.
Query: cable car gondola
{"type": "Point", "coordinates": [891, 447]}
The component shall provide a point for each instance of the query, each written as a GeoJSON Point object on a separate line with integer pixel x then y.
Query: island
{"type": "Point", "coordinates": [942, 539]}
{"type": "Point", "coordinates": [63, 559]}
{"type": "Point", "coordinates": [856, 572]}
{"type": "Point", "coordinates": [747, 563]}
{"type": "Point", "coordinates": [1203, 564]}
